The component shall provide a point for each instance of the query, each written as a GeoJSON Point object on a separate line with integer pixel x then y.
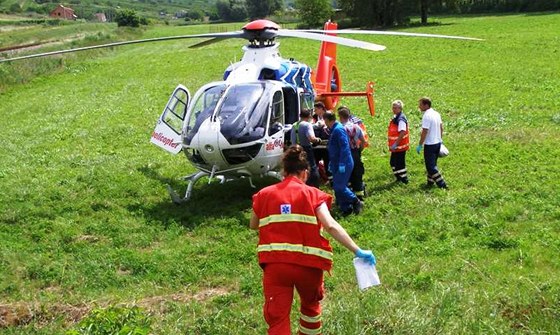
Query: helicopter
{"type": "Point", "coordinates": [238, 127]}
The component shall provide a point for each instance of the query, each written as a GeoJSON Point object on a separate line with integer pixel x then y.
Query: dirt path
{"type": "Point", "coordinates": [22, 313]}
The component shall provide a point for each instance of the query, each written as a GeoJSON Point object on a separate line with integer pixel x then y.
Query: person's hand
{"type": "Point", "coordinates": [418, 148]}
{"type": "Point", "coordinates": [341, 168]}
{"type": "Point", "coordinates": [393, 146]}
{"type": "Point", "coordinates": [329, 168]}
{"type": "Point", "coordinates": [366, 255]}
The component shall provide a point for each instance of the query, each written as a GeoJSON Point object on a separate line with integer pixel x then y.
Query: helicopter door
{"type": "Point", "coordinates": [167, 134]}
{"type": "Point", "coordinates": [276, 127]}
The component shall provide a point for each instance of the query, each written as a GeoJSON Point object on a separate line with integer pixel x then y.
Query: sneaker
{"type": "Point", "coordinates": [358, 207]}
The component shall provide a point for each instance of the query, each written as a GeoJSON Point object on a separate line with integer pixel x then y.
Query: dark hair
{"type": "Point", "coordinates": [320, 104]}
{"type": "Point", "coordinates": [305, 113]}
{"type": "Point", "coordinates": [329, 116]}
{"type": "Point", "coordinates": [426, 101]}
{"type": "Point", "coordinates": [344, 112]}
{"type": "Point", "coordinates": [294, 160]}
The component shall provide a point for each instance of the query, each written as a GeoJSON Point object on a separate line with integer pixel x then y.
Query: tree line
{"type": "Point", "coordinates": [374, 13]}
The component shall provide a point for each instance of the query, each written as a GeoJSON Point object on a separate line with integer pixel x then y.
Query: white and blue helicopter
{"type": "Point", "coordinates": [237, 127]}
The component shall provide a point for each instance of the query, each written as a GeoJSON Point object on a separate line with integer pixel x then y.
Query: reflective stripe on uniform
{"type": "Point", "coordinates": [393, 138]}
{"type": "Point", "coordinates": [309, 331]}
{"type": "Point", "coordinates": [295, 248]}
{"type": "Point", "coordinates": [297, 218]}
{"type": "Point", "coordinates": [399, 171]}
{"type": "Point", "coordinates": [310, 319]}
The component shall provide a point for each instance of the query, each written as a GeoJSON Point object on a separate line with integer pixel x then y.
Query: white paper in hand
{"type": "Point", "coordinates": [366, 274]}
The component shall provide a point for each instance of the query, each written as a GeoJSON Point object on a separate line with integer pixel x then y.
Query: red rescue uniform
{"type": "Point", "coordinates": [292, 252]}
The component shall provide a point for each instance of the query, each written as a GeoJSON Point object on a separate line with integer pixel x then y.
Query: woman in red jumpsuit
{"type": "Point", "coordinates": [290, 217]}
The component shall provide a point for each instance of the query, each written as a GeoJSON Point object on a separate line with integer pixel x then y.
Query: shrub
{"type": "Point", "coordinates": [113, 320]}
{"type": "Point", "coordinates": [127, 18]}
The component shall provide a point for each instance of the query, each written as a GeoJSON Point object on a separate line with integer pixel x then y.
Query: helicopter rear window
{"type": "Point", "coordinates": [240, 119]}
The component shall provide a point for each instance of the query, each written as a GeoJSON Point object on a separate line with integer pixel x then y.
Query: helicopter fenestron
{"type": "Point", "coordinates": [237, 127]}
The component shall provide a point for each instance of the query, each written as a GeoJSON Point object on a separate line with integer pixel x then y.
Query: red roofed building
{"type": "Point", "coordinates": [62, 12]}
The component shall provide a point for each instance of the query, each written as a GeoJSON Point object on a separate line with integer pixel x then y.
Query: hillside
{"type": "Point", "coordinates": [85, 9]}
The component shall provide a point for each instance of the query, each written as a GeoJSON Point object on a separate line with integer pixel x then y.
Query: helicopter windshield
{"type": "Point", "coordinates": [203, 108]}
{"type": "Point", "coordinates": [243, 113]}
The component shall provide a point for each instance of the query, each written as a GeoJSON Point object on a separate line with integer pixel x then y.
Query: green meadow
{"type": "Point", "coordinates": [88, 231]}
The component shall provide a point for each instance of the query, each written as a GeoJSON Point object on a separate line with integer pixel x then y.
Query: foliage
{"type": "Point", "coordinates": [195, 14]}
{"type": "Point", "coordinates": [387, 13]}
{"type": "Point", "coordinates": [313, 13]}
{"type": "Point", "coordinates": [231, 10]}
{"type": "Point", "coordinates": [127, 18]}
{"type": "Point", "coordinates": [113, 321]}
{"type": "Point", "coordinates": [260, 9]}
{"type": "Point", "coordinates": [85, 218]}
{"type": "Point", "coordinates": [372, 13]}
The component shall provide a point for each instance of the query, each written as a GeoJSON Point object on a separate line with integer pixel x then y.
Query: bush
{"type": "Point", "coordinates": [127, 18]}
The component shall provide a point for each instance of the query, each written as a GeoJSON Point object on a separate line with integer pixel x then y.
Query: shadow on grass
{"type": "Point", "coordinates": [231, 199]}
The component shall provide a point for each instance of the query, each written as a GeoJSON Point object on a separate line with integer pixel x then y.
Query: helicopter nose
{"type": "Point", "coordinates": [206, 141]}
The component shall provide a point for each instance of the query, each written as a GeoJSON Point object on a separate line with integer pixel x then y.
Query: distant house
{"type": "Point", "coordinates": [65, 13]}
{"type": "Point", "coordinates": [100, 17]}
{"type": "Point", "coordinates": [181, 14]}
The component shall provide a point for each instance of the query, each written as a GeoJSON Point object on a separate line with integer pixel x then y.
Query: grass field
{"type": "Point", "coordinates": [87, 226]}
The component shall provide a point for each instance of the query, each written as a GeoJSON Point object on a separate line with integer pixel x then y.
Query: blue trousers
{"type": "Point", "coordinates": [345, 198]}
{"type": "Point", "coordinates": [431, 154]}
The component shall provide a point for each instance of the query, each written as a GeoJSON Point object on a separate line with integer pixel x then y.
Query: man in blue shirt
{"type": "Point", "coordinates": [341, 165]}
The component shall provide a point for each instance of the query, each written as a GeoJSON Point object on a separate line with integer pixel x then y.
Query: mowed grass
{"type": "Point", "coordinates": [86, 222]}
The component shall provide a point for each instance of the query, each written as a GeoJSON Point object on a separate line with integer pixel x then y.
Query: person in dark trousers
{"type": "Point", "coordinates": [341, 165]}
{"type": "Point", "coordinates": [431, 139]}
{"type": "Point", "coordinates": [357, 144]}
{"type": "Point", "coordinates": [302, 134]}
{"type": "Point", "coordinates": [398, 141]}
{"type": "Point", "coordinates": [321, 131]}
{"type": "Point", "coordinates": [293, 254]}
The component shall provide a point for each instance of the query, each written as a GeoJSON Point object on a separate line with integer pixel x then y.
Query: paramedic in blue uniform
{"type": "Point", "coordinates": [341, 165]}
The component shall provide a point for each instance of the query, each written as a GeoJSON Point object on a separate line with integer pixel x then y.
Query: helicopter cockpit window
{"type": "Point", "coordinates": [242, 117]}
{"type": "Point", "coordinates": [175, 110]}
{"type": "Point", "coordinates": [202, 109]}
{"type": "Point", "coordinates": [277, 116]}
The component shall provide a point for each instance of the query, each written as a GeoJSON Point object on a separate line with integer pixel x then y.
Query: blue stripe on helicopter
{"type": "Point", "coordinates": [291, 72]}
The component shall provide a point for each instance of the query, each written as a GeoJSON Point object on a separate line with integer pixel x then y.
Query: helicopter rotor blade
{"type": "Point", "coordinates": [393, 33]}
{"type": "Point", "coordinates": [234, 34]}
{"type": "Point", "coordinates": [207, 42]}
{"type": "Point", "coordinates": [330, 38]}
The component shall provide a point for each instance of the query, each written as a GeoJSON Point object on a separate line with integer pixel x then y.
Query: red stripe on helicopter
{"type": "Point", "coordinates": [165, 140]}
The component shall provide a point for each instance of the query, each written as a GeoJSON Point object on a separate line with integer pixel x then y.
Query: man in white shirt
{"type": "Point", "coordinates": [430, 138]}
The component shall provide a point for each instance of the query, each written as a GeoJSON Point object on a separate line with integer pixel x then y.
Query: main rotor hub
{"type": "Point", "coordinates": [261, 33]}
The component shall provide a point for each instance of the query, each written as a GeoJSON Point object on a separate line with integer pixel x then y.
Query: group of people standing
{"type": "Point", "coordinates": [430, 140]}
{"type": "Point", "coordinates": [292, 214]}
{"type": "Point", "coordinates": [341, 156]}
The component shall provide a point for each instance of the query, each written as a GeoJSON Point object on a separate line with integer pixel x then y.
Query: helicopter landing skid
{"type": "Point", "coordinates": [193, 178]}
